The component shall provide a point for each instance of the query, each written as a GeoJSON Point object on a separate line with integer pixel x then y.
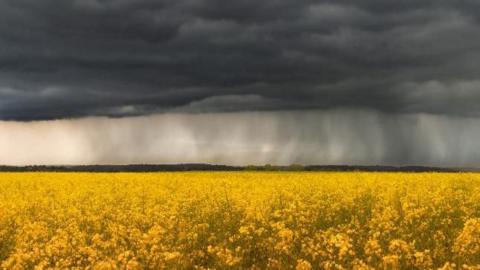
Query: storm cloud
{"type": "Point", "coordinates": [240, 82]}
{"type": "Point", "coordinates": [82, 58]}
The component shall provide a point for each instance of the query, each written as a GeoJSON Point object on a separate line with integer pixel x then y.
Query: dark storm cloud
{"type": "Point", "coordinates": [74, 58]}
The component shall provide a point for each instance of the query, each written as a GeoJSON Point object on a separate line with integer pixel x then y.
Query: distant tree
{"type": "Point", "coordinates": [295, 167]}
{"type": "Point", "coordinates": [251, 168]}
{"type": "Point", "coordinates": [269, 167]}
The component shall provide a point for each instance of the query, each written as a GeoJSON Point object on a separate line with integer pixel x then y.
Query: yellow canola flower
{"type": "Point", "coordinates": [240, 220]}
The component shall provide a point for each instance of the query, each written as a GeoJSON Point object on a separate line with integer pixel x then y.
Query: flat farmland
{"type": "Point", "coordinates": [240, 220]}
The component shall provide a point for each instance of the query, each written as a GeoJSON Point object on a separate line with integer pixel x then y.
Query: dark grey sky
{"type": "Point", "coordinates": [75, 58]}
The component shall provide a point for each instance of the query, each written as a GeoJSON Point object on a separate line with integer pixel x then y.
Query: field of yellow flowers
{"type": "Point", "coordinates": [240, 220]}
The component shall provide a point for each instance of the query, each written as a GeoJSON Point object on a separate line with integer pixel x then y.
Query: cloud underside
{"type": "Point", "coordinates": [307, 137]}
{"type": "Point", "coordinates": [80, 58]}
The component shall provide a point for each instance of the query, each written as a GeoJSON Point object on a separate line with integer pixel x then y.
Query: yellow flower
{"type": "Point", "coordinates": [240, 220]}
{"type": "Point", "coordinates": [303, 265]}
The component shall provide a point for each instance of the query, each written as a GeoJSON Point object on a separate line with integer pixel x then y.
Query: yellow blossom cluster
{"type": "Point", "coordinates": [240, 220]}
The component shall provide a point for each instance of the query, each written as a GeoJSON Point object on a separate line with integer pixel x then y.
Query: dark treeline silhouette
{"type": "Point", "coordinates": [210, 167]}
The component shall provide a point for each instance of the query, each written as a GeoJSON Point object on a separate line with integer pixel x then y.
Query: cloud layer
{"type": "Point", "coordinates": [307, 137]}
{"type": "Point", "coordinates": [78, 58]}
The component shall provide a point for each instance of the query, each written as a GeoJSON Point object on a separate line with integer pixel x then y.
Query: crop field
{"type": "Point", "coordinates": [240, 220]}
